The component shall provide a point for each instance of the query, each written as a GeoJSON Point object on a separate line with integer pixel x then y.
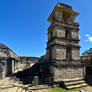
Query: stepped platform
{"type": "Point", "coordinates": [74, 83]}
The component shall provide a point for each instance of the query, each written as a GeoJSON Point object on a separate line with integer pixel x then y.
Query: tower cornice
{"type": "Point", "coordinates": [64, 25]}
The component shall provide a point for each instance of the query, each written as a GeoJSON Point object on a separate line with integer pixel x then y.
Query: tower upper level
{"type": "Point", "coordinates": [63, 12]}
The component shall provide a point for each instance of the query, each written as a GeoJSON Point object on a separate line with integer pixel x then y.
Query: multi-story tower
{"type": "Point", "coordinates": [63, 43]}
{"type": "Point", "coordinates": [63, 38]}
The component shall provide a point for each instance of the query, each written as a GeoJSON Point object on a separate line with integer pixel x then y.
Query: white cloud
{"type": "Point", "coordinates": [87, 35]}
{"type": "Point", "coordinates": [89, 38]}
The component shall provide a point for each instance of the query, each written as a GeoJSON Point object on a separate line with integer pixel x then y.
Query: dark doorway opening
{"type": "Point", "coordinates": [89, 75]}
{"type": "Point", "coordinates": [1, 71]}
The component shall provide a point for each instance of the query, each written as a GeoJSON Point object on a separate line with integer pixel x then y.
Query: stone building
{"type": "Point", "coordinates": [87, 61]}
{"type": "Point", "coordinates": [11, 63]}
{"type": "Point", "coordinates": [7, 60]}
{"type": "Point", "coordinates": [63, 50]}
{"type": "Point", "coordinates": [28, 62]}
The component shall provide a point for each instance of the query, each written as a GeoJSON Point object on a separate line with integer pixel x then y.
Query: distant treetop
{"type": "Point", "coordinates": [87, 52]}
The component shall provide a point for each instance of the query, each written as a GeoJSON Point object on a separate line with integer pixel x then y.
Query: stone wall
{"type": "Point", "coordinates": [3, 69]}
{"type": "Point", "coordinates": [75, 54]}
{"type": "Point", "coordinates": [60, 53]}
{"type": "Point", "coordinates": [68, 72]}
{"type": "Point", "coordinates": [54, 53]}
{"type": "Point", "coordinates": [60, 32]}
{"type": "Point", "coordinates": [59, 16]}
{"type": "Point", "coordinates": [74, 34]}
{"type": "Point", "coordinates": [66, 42]}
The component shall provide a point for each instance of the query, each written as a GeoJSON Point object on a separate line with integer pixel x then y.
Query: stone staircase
{"type": "Point", "coordinates": [74, 83]}
{"type": "Point", "coordinates": [10, 85]}
{"type": "Point", "coordinates": [14, 85]}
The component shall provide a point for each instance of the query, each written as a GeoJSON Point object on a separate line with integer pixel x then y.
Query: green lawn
{"type": "Point", "coordinates": [62, 90]}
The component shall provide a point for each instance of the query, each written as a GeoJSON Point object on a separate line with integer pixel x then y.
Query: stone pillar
{"type": "Point", "coordinates": [13, 65]}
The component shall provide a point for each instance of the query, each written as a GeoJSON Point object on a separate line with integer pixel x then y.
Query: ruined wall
{"type": "Point", "coordinates": [6, 52]}
{"type": "Point", "coordinates": [68, 72]}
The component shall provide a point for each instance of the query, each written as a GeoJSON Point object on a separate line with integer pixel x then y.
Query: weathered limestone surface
{"type": "Point", "coordinates": [76, 54]}
{"type": "Point", "coordinates": [68, 72]}
{"type": "Point", "coordinates": [60, 32]}
{"type": "Point", "coordinates": [75, 35]}
{"type": "Point", "coordinates": [60, 53]}
{"type": "Point", "coordinates": [63, 44]}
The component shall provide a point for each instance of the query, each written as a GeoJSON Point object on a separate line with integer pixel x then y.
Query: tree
{"type": "Point", "coordinates": [87, 52]}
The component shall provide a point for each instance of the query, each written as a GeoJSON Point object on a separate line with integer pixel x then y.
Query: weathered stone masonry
{"type": "Point", "coordinates": [63, 44]}
{"type": "Point", "coordinates": [11, 63]}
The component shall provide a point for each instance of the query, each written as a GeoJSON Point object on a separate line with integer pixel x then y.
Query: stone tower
{"type": "Point", "coordinates": [63, 34]}
{"type": "Point", "coordinates": [63, 44]}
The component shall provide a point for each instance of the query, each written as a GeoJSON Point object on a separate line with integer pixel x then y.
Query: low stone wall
{"type": "Point", "coordinates": [68, 72]}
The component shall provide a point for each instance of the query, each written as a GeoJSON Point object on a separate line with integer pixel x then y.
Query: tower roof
{"type": "Point", "coordinates": [64, 8]}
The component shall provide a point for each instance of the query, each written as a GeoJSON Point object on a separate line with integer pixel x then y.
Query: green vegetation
{"type": "Point", "coordinates": [63, 90]}
{"type": "Point", "coordinates": [87, 52]}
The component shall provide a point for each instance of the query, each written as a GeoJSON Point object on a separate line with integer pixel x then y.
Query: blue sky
{"type": "Point", "coordinates": [23, 24]}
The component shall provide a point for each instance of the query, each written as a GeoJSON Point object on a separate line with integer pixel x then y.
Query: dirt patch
{"type": "Point", "coordinates": [89, 88]}
{"type": "Point", "coordinates": [43, 90]}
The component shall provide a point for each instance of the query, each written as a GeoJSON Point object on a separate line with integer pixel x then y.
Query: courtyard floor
{"type": "Point", "coordinates": [8, 85]}
{"type": "Point", "coordinates": [88, 88]}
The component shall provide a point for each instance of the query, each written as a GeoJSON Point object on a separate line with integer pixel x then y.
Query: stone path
{"type": "Point", "coordinates": [89, 88]}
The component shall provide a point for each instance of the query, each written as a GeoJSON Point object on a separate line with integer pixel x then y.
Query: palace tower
{"type": "Point", "coordinates": [63, 44]}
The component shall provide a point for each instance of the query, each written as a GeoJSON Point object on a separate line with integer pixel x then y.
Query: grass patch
{"type": "Point", "coordinates": [57, 89]}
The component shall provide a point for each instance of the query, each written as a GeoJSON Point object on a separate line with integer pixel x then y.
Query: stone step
{"type": "Point", "coordinates": [19, 90]}
{"type": "Point", "coordinates": [13, 89]}
{"type": "Point", "coordinates": [74, 82]}
{"type": "Point", "coordinates": [71, 80]}
{"type": "Point", "coordinates": [22, 90]}
{"type": "Point", "coordinates": [76, 86]}
{"type": "Point", "coordinates": [4, 90]}
{"type": "Point", "coordinates": [4, 80]}
{"type": "Point", "coordinates": [38, 87]}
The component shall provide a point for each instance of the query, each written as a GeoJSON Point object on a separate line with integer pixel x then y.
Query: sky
{"type": "Point", "coordinates": [24, 25]}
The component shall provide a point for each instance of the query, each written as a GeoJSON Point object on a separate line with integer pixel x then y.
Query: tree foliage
{"type": "Point", "coordinates": [87, 52]}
